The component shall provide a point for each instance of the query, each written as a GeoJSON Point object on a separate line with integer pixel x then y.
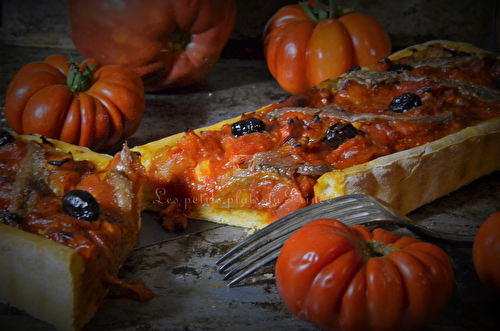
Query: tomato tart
{"type": "Point", "coordinates": [69, 217]}
{"type": "Point", "coordinates": [409, 129]}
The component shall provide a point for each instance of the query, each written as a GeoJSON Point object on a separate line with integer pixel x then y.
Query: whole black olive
{"type": "Point", "coordinates": [339, 133]}
{"type": "Point", "coordinates": [400, 67]}
{"type": "Point", "coordinates": [246, 126]}
{"type": "Point", "coordinates": [404, 102]}
{"type": "Point", "coordinates": [5, 137]}
{"type": "Point", "coordinates": [80, 204]}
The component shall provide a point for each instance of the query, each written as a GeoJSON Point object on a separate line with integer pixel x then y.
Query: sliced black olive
{"type": "Point", "coordinates": [352, 69]}
{"type": "Point", "coordinates": [59, 163]}
{"type": "Point", "coordinates": [289, 139]}
{"type": "Point", "coordinates": [80, 204]}
{"type": "Point", "coordinates": [46, 141]}
{"type": "Point", "coordinates": [14, 217]}
{"type": "Point", "coordinates": [246, 126]}
{"type": "Point", "coordinates": [400, 67]}
{"type": "Point", "coordinates": [339, 133]}
{"type": "Point", "coordinates": [5, 137]}
{"type": "Point", "coordinates": [404, 102]}
{"type": "Point", "coordinates": [426, 89]}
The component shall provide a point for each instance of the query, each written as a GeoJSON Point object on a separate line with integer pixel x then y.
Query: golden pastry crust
{"type": "Point", "coordinates": [406, 180]}
{"type": "Point", "coordinates": [43, 278]}
{"type": "Point", "coordinates": [52, 281]}
{"type": "Point", "coordinates": [412, 178]}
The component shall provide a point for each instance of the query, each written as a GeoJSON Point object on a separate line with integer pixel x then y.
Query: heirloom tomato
{"type": "Point", "coordinates": [486, 252]}
{"type": "Point", "coordinates": [348, 278]}
{"type": "Point", "coordinates": [169, 43]}
{"type": "Point", "coordinates": [85, 104]}
{"type": "Point", "coordinates": [306, 44]}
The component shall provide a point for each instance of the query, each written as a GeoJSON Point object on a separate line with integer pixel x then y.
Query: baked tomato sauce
{"type": "Point", "coordinates": [35, 178]}
{"type": "Point", "coordinates": [271, 159]}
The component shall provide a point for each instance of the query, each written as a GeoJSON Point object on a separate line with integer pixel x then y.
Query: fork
{"type": "Point", "coordinates": [264, 247]}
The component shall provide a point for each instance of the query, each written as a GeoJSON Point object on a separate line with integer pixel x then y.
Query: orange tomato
{"type": "Point", "coordinates": [302, 49]}
{"type": "Point", "coordinates": [169, 43]}
{"type": "Point", "coordinates": [85, 104]}
{"type": "Point", "coordinates": [348, 278]}
{"type": "Point", "coordinates": [486, 252]}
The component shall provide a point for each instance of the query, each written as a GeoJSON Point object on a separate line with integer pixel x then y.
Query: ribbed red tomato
{"type": "Point", "coordinates": [348, 278]}
{"type": "Point", "coordinates": [308, 43]}
{"type": "Point", "coordinates": [486, 252]}
{"type": "Point", "coordinates": [169, 43]}
{"type": "Point", "coordinates": [84, 104]}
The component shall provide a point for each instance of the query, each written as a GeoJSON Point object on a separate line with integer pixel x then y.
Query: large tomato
{"type": "Point", "coordinates": [83, 104]}
{"type": "Point", "coordinates": [169, 43]}
{"type": "Point", "coordinates": [348, 278]}
{"type": "Point", "coordinates": [307, 43]}
{"type": "Point", "coordinates": [486, 252]}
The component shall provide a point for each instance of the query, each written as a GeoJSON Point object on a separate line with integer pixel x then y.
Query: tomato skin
{"type": "Point", "coordinates": [143, 36]}
{"type": "Point", "coordinates": [38, 100]}
{"type": "Point", "coordinates": [292, 49]}
{"type": "Point", "coordinates": [329, 53]}
{"type": "Point", "coordinates": [370, 40]}
{"type": "Point", "coordinates": [486, 252]}
{"type": "Point", "coordinates": [325, 274]}
{"type": "Point", "coordinates": [334, 46]}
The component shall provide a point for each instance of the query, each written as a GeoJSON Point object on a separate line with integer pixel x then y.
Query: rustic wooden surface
{"type": "Point", "coordinates": [181, 269]}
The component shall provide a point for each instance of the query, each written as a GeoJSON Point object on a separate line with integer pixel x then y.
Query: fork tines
{"type": "Point", "coordinates": [264, 247]}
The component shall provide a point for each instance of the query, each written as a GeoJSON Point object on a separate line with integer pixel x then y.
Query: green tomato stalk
{"type": "Point", "coordinates": [77, 80]}
{"type": "Point", "coordinates": [332, 11]}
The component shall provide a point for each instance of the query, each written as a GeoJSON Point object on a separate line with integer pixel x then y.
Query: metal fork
{"type": "Point", "coordinates": [264, 247]}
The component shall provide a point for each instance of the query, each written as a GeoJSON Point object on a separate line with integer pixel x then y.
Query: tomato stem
{"type": "Point", "coordinates": [320, 13]}
{"type": "Point", "coordinates": [78, 81]}
{"type": "Point", "coordinates": [178, 40]}
{"type": "Point", "coordinates": [374, 248]}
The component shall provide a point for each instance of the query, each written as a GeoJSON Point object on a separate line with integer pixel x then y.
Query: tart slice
{"type": "Point", "coordinates": [69, 217]}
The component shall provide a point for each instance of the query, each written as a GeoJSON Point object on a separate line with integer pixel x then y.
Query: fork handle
{"type": "Point", "coordinates": [448, 238]}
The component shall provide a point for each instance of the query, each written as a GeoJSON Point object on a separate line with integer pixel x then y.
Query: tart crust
{"type": "Point", "coordinates": [406, 180]}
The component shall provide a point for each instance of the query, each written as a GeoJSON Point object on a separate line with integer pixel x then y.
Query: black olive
{"type": "Point", "coordinates": [400, 67]}
{"type": "Point", "coordinates": [14, 217]}
{"type": "Point", "coordinates": [339, 133]}
{"type": "Point", "coordinates": [46, 141]}
{"type": "Point", "coordinates": [352, 69]}
{"type": "Point", "coordinates": [404, 102]}
{"type": "Point", "coordinates": [246, 126]}
{"type": "Point", "coordinates": [426, 89]}
{"type": "Point", "coordinates": [6, 138]}
{"type": "Point", "coordinates": [59, 163]}
{"type": "Point", "coordinates": [289, 139]}
{"type": "Point", "coordinates": [80, 204]}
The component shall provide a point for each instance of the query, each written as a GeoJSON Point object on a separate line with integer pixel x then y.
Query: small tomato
{"type": "Point", "coordinates": [348, 278]}
{"type": "Point", "coordinates": [85, 104]}
{"type": "Point", "coordinates": [306, 44]}
{"type": "Point", "coordinates": [486, 252]}
{"type": "Point", "coordinates": [169, 43]}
